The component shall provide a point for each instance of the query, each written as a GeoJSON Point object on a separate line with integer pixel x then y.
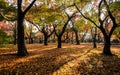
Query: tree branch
{"type": "Point", "coordinates": [105, 18]}
{"type": "Point", "coordinates": [51, 33]}
{"type": "Point", "coordinates": [34, 24]}
{"type": "Point", "coordinates": [55, 30]}
{"type": "Point", "coordinates": [99, 11]}
{"type": "Point", "coordinates": [6, 18]}
{"type": "Point", "coordinates": [65, 25]}
{"type": "Point", "coordinates": [56, 33]}
{"type": "Point", "coordinates": [26, 10]}
{"type": "Point", "coordinates": [111, 17]}
{"type": "Point", "coordinates": [85, 16]}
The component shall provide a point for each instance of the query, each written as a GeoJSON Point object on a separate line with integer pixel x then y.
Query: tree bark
{"type": "Point", "coordinates": [83, 37]}
{"type": "Point", "coordinates": [72, 38]}
{"type": "Point", "coordinates": [46, 36]}
{"type": "Point", "coordinates": [59, 36]}
{"type": "Point", "coordinates": [14, 35]}
{"type": "Point", "coordinates": [45, 40]}
{"type": "Point", "coordinates": [77, 39]}
{"type": "Point", "coordinates": [59, 42]}
{"type": "Point", "coordinates": [53, 38]}
{"type": "Point", "coordinates": [107, 44]}
{"type": "Point", "coordinates": [30, 38]}
{"type": "Point", "coordinates": [22, 51]}
{"type": "Point", "coordinates": [76, 35]}
{"type": "Point", "coordinates": [67, 37]}
{"type": "Point", "coordinates": [94, 41]}
{"type": "Point", "coordinates": [94, 38]}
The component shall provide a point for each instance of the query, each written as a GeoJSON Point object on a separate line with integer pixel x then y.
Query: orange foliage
{"type": "Point", "coordinates": [49, 60]}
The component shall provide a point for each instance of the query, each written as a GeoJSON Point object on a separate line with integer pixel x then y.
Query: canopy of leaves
{"type": "Point", "coordinates": [7, 11]}
{"type": "Point", "coordinates": [115, 8]}
{"type": "Point", "coordinates": [79, 25]}
{"type": "Point", "coordinates": [117, 32]}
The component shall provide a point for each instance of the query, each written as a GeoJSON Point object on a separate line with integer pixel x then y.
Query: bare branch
{"type": "Point", "coordinates": [56, 33]}
{"type": "Point", "coordinates": [29, 7]}
{"type": "Point", "coordinates": [85, 16]}
{"type": "Point", "coordinates": [99, 11]}
{"type": "Point", "coordinates": [51, 32]}
{"type": "Point", "coordinates": [111, 17]}
{"type": "Point", "coordinates": [34, 25]}
{"type": "Point", "coordinates": [105, 18]}
{"type": "Point", "coordinates": [65, 25]}
{"type": "Point", "coordinates": [110, 14]}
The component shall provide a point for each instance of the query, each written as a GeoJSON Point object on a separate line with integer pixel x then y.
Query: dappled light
{"type": "Point", "coordinates": [99, 64]}
{"type": "Point", "coordinates": [69, 60]}
{"type": "Point", "coordinates": [59, 37]}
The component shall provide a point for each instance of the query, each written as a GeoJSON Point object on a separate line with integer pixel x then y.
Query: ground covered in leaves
{"type": "Point", "coordinates": [69, 60]}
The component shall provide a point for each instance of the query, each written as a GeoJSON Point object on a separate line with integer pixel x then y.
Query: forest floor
{"type": "Point", "coordinates": [69, 60]}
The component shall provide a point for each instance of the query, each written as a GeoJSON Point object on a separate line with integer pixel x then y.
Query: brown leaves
{"type": "Point", "coordinates": [49, 60]}
{"type": "Point", "coordinates": [100, 64]}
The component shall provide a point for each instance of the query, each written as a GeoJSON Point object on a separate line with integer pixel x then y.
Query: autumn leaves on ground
{"type": "Point", "coordinates": [68, 60]}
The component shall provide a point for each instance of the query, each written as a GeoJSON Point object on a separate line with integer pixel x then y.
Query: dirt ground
{"type": "Point", "coordinates": [69, 60]}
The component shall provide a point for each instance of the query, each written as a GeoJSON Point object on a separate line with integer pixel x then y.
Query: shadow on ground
{"type": "Point", "coordinates": [47, 60]}
{"type": "Point", "coordinates": [39, 62]}
{"type": "Point", "coordinates": [98, 64]}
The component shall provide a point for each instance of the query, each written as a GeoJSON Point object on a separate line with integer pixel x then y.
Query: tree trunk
{"type": "Point", "coordinates": [45, 40]}
{"type": "Point", "coordinates": [14, 35]}
{"type": "Point", "coordinates": [30, 38]}
{"type": "Point", "coordinates": [107, 44]}
{"type": "Point", "coordinates": [22, 51]}
{"type": "Point", "coordinates": [83, 37]}
{"type": "Point", "coordinates": [94, 38]}
{"type": "Point", "coordinates": [59, 42]}
{"type": "Point", "coordinates": [77, 39]}
{"type": "Point", "coordinates": [99, 40]}
{"type": "Point", "coordinates": [72, 38]}
{"type": "Point", "coordinates": [94, 41]}
{"type": "Point", "coordinates": [53, 38]}
{"type": "Point", "coordinates": [67, 38]}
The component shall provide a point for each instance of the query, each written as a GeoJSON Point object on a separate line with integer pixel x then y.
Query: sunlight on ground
{"type": "Point", "coordinates": [49, 60]}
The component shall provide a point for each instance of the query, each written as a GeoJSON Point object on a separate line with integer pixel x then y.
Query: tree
{"type": "Point", "coordinates": [8, 12]}
{"type": "Point", "coordinates": [94, 34]}
{"type": "Point", "coordinates": [82, 27]}
{"type": "Point", "coordinates": [60, 33]}
{"type": "Point", "coordinates": [28, 28]}
{"type": "Point", "coordinates": [22, 51]}
{"type": "Point", "coordinates": [47, 33]}
{"type": "Point", "coordinates": [107, 14]}
{"type": "Point", "coordinates": [76, 33]}
{"type": "Point", "coordinates": [44, 17]}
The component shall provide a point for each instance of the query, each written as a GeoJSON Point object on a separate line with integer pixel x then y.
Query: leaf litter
{"type": "Point", "coordinates": [69, 60]}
